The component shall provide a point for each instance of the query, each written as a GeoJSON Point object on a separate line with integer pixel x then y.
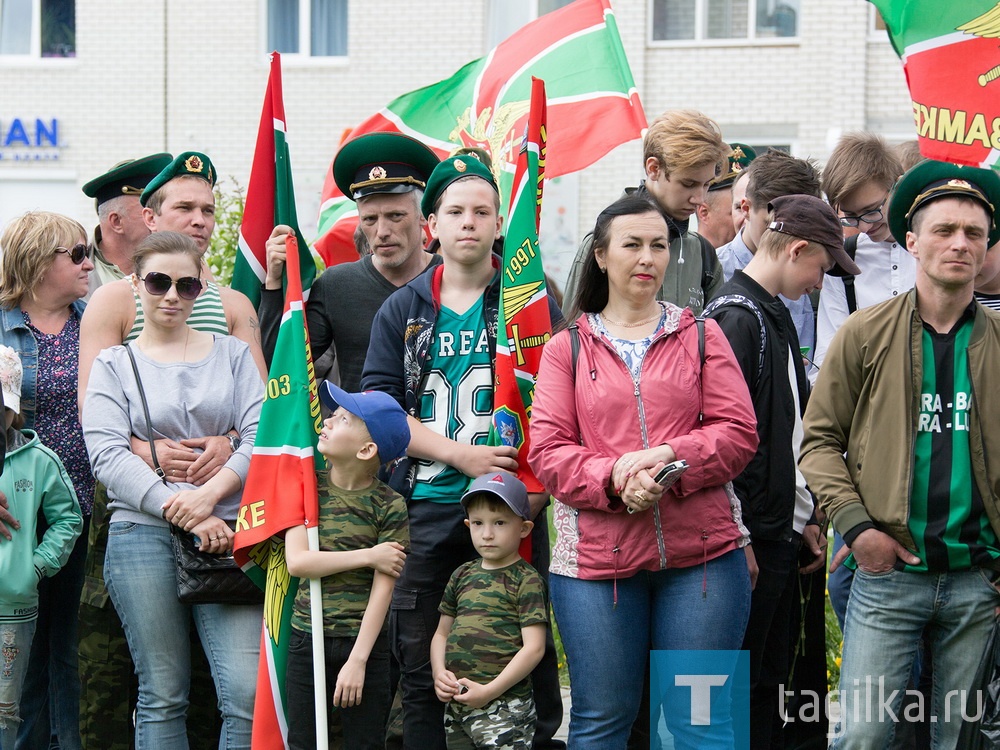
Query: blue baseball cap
{"type": "Point", "coordinates": [505, 486]}
{"type": "Point", "coordinates": [384, 418]}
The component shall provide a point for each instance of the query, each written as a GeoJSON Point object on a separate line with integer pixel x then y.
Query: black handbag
{"type": "Point", "coordinates": [202, 578]}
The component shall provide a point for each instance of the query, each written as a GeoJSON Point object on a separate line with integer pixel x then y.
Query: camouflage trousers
{"type": "Point", "coordinates": [504, 724]}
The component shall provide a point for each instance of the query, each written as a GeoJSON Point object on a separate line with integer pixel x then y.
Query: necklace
{"type": "Point", "coordinates": [187, 336]}
{"type": "Point", "coordinates": [632, 325]}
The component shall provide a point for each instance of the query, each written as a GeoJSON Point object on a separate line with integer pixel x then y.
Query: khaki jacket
{"type": "Point", "coordinates": [865, 405]}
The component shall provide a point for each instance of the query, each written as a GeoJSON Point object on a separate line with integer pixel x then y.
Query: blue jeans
{"type": "Point", "coordinates": [838, 583]}
{"type": "Point", "coordinates": [607, 645]}
{"type": "Point", "coordinates": [139, 570]}
{"type": "Point", "coordinates": [15, 646]}
{"type": "Point", "coordinates": [886, 616]}
{"type": "Point", "coordinates": [50, 703]}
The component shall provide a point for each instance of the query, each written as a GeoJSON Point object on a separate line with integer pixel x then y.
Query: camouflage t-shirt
{"type": "Point", "coordinates": [490, 607]}
{"type": "Point", "coordinates": [351, 520]}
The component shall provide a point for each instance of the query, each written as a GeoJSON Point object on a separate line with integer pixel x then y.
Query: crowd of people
{"type": "Point", "coordinates": [711, 400]}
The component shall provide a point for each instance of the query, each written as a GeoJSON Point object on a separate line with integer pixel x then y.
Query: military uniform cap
{"type": "Point", "coordinates": [451, 169]}
{"type": "Point", "coordinates": [738, 160]}
{"type": "Point", "coordinates": [382, 163]}
{"type": "Point", "coordinates": [930, 180]}
{"type": "Point", "coordinates": [189, 163]}
{"type": "Point", "coordinates": [127, 177]}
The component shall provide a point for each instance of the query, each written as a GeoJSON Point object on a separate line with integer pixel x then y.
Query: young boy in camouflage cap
{"type": "Point", "coordinates": [492, 628]}
{"type": "Point", "coordinates": [362, 533]}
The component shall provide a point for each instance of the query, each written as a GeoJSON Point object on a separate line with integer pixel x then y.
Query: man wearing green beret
{"type": "Point", "coordinates": [902, 451]}
{"type": "Point", "coordinates": [385, 173]}
{"type": "Point", "coordinates": [122, 227]}
{"type": "Point", "coordinates": [437, 335]}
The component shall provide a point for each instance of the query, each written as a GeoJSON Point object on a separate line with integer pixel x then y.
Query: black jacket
{"type": "Point", "coordinates": [766, 487]}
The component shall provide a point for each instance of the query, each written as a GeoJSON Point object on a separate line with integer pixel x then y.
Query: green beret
{"type": "Point", "coordinates": [382, 163]}
{"type": "Point", "coordinates": [739, 159]}
{"type": "Point", "coordinates": [451, 169]}
{"type": "Point", "coordinates": [930, 180]}
{"type": "Point", "coordinates": [189, 163]}
{"type": "Point", "coordinates": [127, 177]}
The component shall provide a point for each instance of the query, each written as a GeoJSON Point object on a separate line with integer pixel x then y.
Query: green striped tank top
{"type": "Point", "coordinates": [207, 314]}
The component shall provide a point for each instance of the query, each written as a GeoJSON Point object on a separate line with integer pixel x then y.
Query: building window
{"type": "Point", "coordinates": [309, 28]}
{"type": "Point", "coordinates": [699, 20]}
{"type": "Point", "coordinates": [38, 28]}
{"type": "Point", "coordinates": [504, 17]}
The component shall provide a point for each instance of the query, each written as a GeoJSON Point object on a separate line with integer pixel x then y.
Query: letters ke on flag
{"type": "Point", "coordinates": [593, 106]}
{"type": "Point", "coordinates": [280, 492]}
{"type": "Point", "coordinates": [951, 58]}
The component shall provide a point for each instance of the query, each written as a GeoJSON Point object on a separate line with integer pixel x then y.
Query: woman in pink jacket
{"type": "Point", "coordinates": [636, 567]}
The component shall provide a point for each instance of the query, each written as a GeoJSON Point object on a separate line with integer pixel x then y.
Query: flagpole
{"type": "Point", "coordinates": [318, 641]}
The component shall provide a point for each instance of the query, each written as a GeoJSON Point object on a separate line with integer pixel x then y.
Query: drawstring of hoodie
{"type": "Point", "coordinates": [704, 575]}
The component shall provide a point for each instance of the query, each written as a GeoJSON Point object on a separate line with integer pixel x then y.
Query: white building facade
{"type": "Point", "coordinates": [88, 83]}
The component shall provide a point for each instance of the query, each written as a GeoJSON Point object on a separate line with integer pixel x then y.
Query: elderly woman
{"type": "Point", "coordinates": [196, 384]}
{"type": "Point", "coordinates": [44, 275]}
{"type": "Point", "coordinates": [636, 567]}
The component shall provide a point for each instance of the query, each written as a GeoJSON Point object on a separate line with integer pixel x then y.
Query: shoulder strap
{"type": "Point", "coordinates": [738, 300]}
{"type": "Point", "coordinates": [700, 323]}
{"type": "Point", "coordinates": [574, 345]}
{"type": "Point", "coordinates": [851, 246]}
{"type": "Point", "coordinates": [145, 411]}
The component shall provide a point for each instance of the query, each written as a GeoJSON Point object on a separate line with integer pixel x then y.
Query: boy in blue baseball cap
{"type": "Point", "coordinates": [363, 531]}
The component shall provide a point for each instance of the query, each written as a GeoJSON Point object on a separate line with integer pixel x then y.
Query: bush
{"type": "Point", "coordinates": [224, 245]}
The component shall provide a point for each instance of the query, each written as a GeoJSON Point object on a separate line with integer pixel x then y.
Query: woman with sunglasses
{"type": "Point", "coordinates": [44, 275]}
{"type": "Point", "coordinates": [195, 384]}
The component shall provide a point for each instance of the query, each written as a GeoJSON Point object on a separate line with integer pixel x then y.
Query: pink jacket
{"type": "Point", "coordinates": [579, 430]}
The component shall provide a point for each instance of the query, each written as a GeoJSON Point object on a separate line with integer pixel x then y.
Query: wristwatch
{"type": "Point", "coordinates": [234, 441]}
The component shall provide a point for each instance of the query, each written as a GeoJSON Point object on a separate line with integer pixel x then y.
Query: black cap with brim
{"type": "Point", "coordinates": [810, 218]}
{"type": "Point", "coordinates": [930, 180]}
{"type": "Point", "coordinates": [738, 160]}
{"type": "Point", "coordinates": [188, 164]}
{"type": "Point", "coordinates": [382, 163]}
{"type": "Point", "coordinates": [128, 177]}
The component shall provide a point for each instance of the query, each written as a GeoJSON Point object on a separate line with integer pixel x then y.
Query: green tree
{"type": "Point", "coordinates": [225, 239]}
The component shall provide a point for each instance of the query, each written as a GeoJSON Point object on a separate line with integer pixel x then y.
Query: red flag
{"type": "Point", "coordinates": [576, 50]}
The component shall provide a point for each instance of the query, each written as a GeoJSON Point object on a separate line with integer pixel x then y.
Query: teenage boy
{"type": "Point", "coordinates": [432, 349]}
{"type": "Point", "coordinates": [772, 175]}
{"type": "Point", "coordinates": [801, 242]}
{"type": "Point", "coordinates": [682, 153]}
{"type": "Point", "coordinates": [857, 179]}
{"type": "Point", "coordinates": [362, 534]}
{"type": "Point", "coordinates": [493, 623]}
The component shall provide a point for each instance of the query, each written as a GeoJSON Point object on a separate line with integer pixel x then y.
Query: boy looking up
{"type": "Point", "coordinates": [492, 628]}
{"type": "Point", "coordinates": [362, 533]}
{"type": "Point", "coordinates": [432, 349]}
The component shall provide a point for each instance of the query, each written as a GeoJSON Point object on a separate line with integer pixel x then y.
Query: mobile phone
{"type": "Point", "coordinates": [670, 473]}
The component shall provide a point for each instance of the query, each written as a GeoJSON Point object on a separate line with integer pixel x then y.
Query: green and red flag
{"type": "Point", "coordinates": [270, 197]}
{"type": "Point", "coordinates": [951, 58]}
{"type": "Point", "coordinates": [524, 324]}
{"type": "Point", "coordinates": [280, 492]}
{"type": "Point", "coordinates": [593, 106]}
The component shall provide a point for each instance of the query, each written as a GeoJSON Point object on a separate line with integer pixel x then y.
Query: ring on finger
{"type": "Point", "coordinates": [640, 495]}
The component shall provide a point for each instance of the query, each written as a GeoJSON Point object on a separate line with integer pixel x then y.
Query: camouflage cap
{"type": "Point", "coordinates": [189, 163]}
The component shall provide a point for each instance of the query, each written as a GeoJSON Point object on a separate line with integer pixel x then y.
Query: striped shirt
{"type": "Point", "coordinates": [207, 315]}
{"type": "Point", "coordinates": [947, 517]}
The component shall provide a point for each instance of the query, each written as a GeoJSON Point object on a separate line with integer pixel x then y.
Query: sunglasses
{"type": "Point", "coordinates": [78, 253]}
{"type": "Point", "coordinates": [188, 287]}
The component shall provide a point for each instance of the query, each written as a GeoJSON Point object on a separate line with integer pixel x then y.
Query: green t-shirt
{"type": "Point", "coordinates": [457, 398]}
{"type": "Point", "coordinates": [947, 518]}
{"type": "Point", "coordinates": [351, 520]}
{"type": "Point", "coordinates": [490, 608]}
